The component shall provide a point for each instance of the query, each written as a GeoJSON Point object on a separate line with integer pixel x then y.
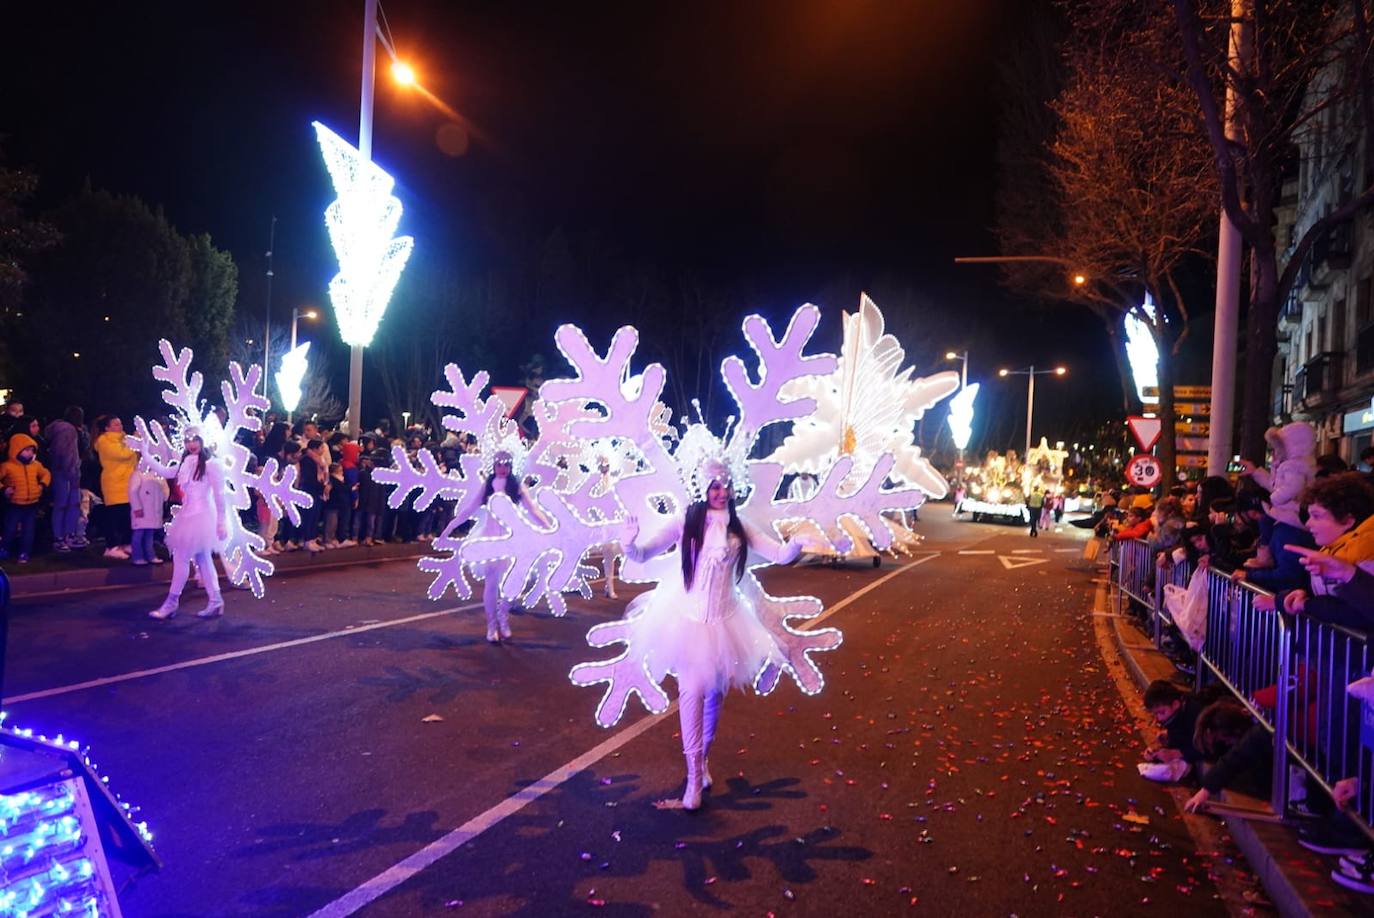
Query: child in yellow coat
{"type": "Point", "coordinates": [23, 479]}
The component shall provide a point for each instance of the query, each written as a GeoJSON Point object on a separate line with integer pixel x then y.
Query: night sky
{"type": "Point", "coordinates": [803, 150]}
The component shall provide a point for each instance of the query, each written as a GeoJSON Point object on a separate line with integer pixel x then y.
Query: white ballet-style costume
{"type": "Point", "coordinates": [194, 534]}
{"type": "Point", "coordinates": [707, 635]}
{"type": "Point", "coordinates": [496, 606]}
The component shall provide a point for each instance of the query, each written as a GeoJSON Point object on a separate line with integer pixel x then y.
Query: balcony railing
{"type": "Point", "coordinates": [1318, 377]}
{"type": "Point", "coordinates": [1364, 350]}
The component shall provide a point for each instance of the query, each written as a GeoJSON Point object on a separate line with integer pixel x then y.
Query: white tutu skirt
{"type": "Point", "coordinates": [721, 654]}
{"type": "Point", "coordinates": [192, 532]}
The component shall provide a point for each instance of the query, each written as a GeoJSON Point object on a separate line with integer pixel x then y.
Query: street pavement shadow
{"type": "Point", "coordinates": [364, 829]}
{"type": "Point", "coordinates": [438, 686]}
{"type": "Point", "coordinates": [599, 841]}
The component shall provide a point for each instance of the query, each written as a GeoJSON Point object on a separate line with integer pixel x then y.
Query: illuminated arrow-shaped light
{"type": "Point", "coordinates": [961, 415]}
{"type": "Point", "coordinates": [290, 376]}
{"type": "Point", "coordinates": [362, 224]}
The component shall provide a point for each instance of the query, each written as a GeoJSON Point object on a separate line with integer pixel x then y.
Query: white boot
{"type": "Point", "coordinates": [705, 774]}
{"type": "Point", "coordinates": [493, 636]}
{"type": "Point", "coordinates": [691, 796]}
{"type": "Point", "coordinates": [213, 609]}
{"type": "Point", "coordinates": [503, 621]}
{"type": "Point", "coordinates": [167, 610]}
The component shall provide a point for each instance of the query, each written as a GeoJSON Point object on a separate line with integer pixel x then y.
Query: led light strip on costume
{"type": "Point", "coordinates": [161, 450]}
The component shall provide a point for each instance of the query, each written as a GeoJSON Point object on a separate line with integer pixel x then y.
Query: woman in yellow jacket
{"type": "Point", "coordinates": [117, 464]}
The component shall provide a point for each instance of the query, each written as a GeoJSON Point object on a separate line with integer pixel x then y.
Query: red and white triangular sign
{"type": "Point", "coordinates": [511, 396]}
{"type": "Point", "coordinates": [1145, 430]}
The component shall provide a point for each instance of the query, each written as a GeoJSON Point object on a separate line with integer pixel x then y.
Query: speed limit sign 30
{"type": "Point", "coordinates": [1144, 470]}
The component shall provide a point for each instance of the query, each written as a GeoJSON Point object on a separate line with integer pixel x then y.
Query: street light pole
{"type": "Point", "coordinates": [1030, 373]}
{"type": "Point", "coordinates": [267, 325]}
{"type": "Point", "coordinates": [355, 356]}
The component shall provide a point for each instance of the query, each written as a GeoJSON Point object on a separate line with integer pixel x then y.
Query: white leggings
{"type": "Point", "coordinates": [698, 709]}
{"type": "Point", "coordinates": [494, 604]}
{"type": "Point", "coordinates": [181, 570]}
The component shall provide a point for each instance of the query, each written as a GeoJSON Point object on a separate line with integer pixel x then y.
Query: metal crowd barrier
{"type": "Point", "coordinates": [1291, 672]}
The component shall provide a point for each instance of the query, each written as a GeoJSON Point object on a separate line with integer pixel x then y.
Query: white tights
{"type": "Point", "coordinates": [181, 570]}
{"type": "Point", "coordinates": [698, 709]}
{"type": "Point", "coordinates": [494, 604]}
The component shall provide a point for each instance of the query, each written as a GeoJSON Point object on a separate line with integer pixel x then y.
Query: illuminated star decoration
{"type": "Point", "coordinates": [362, 224]}
{"type": "Point", "coordinates": [961, 416]}
{"type": "Point", "coordinates": [161, 450]}
{"type": "Point", "coordinates": [290, 376]}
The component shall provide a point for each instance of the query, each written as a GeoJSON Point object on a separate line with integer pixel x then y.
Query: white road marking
{"type": "Point", "coordinates": [1027, 551]}
{"type": "Point", "coordinates": [1012, 564]}
{"type": "Point", "coordinates": [977, 551]}
{"type": "Point", "coordinates": [232, 655]}
{"type": "Point", "coordinates": [394, 876]}
{"type": "Point", "coordinates": [1068, 551]}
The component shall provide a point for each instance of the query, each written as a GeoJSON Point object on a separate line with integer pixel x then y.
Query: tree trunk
{"type": "Point", "coordinates": [1261, 346]}
{"type": "Point", "coordinates": [1168, 444]}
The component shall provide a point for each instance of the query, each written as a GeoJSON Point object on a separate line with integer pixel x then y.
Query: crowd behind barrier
{"type": "Point", "coordinates": [1291, 672]}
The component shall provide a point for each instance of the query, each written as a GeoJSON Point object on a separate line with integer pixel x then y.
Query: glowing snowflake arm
{"type": "Point", "coordinates": [184, 392]}
{"type": "Point", "coordinates": [431, 481]}
{"type": "Point", "coordinates": [278, 489]}
{"type": "Point", "coordinates": [242, 400]}
{"type": "Point", "coordinates": [827, 505]}
{"type": "Point", "coordinates": [792, 646]}
{"type": "Point", "coordinates": [630, 409]}
{"type": "Point", "coordinates": [547, 551]}
{"type": "Point", "coordinates": [475, 415]}
{"type": "Point", "coordinates": [625, 675]}
{"type": "Point", "coordinates": [448, 569]}
{"type": "Point", "coordinates": [155, 447]}
{"type": "Point", "coordinates": [780, 361]}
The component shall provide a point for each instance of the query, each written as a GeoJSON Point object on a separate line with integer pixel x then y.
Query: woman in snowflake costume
{"type": "Point", "coordinates": [699, 627]}
{"type": "Point", "coordinates": [503, 479]}
{"type": "Point", "coordinates": [198, 529]}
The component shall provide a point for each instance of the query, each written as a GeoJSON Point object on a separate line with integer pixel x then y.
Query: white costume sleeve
{"type": "Point", "coordinates": [766, 546]}
{"type": "Point", "coordinates": [642, 548]}
{"type": "Point", "coordinates": [217, 489]}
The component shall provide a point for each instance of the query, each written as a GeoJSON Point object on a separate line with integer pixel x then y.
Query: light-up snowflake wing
{"type": "Point", "coordinates": [161, 450]}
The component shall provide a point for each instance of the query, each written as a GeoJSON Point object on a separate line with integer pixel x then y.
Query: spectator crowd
{"type": "Point", "coordinates": [69, 486]}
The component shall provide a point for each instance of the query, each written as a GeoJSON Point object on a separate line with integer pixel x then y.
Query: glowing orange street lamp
{"type": "Point", "coordinates": [403, 73]}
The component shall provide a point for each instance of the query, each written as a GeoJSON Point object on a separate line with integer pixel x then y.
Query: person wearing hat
{"type": "Point", "coordinates": [199, 528]}
{"type": "Point", "coordinates": [699, 625]}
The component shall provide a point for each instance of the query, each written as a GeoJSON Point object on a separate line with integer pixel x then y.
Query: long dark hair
{"type": "Point", "coordinates": [694, 531]}
{"type": "Point", "coordinates": [201, 458]}
{"type": "Point", "coordinates": [512, 488]}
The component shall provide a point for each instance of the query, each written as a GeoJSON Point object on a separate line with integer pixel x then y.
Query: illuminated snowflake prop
{"type": "Point", "coordinates": [540, 559]}
{"type": "Point", "coordinates": [161, 450]}
{"type": "Point", "coordinates": [867, 410]}
{"type": "Point", "coordinates": [362, 225]}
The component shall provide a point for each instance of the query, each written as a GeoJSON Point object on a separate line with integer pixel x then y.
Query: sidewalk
{"type": "Point", "coordinates": [92, 571]}
{"type": "Point", "coordinates": [1297, 881]}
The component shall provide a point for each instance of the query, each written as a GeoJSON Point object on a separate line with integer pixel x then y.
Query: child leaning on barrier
{"type": "Point", "coordinates": [1239, 750]}
{"type": "Point", "coordinates": [1176, 711]}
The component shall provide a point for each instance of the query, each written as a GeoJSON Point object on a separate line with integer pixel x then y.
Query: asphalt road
{"type": "Point", "coordinates": [970, 752]}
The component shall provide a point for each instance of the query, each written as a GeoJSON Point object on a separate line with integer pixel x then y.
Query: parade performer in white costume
{"type": "Point", "coordinates": [502, 480]}
{"type": "Point", "coordinates": [199, 528]}
{"type": "Point", "coordinates": [699, 627]}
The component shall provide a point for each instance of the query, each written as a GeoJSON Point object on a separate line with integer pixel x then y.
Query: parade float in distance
{"type": "Point", "coordinates": [997, 489]}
